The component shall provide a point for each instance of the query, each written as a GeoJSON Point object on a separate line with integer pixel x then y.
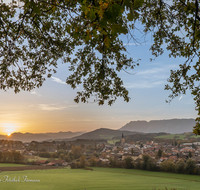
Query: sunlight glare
{"type": "Point", "coordinates": [8, 129]}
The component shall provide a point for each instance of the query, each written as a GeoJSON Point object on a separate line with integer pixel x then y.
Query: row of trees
{"type": "Point", "coordinates": [11, 157]}
{"type": "Point", "coordinates": [68, 156]}
{"type": "Point", "coordinates": [10, 143]}
{"type": "Point", "coordinates": [188, 167]}
{"type": "Point", "coordinates": [146, 163]}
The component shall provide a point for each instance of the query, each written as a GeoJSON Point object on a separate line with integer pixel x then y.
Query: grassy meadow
{"type": "Point", "coordinates": [34, 158]}
{"type": "Point", "coordinates": [113, 141]}
{"type": "Point", "coordinates": [107, 137]}
{"type": "Point", "coordinates": [10, 165]}
{"type": "Point", "coordinates": [171, 136]}
{"type": "Point", "coordinates": [98, 179]}
{"type": "Point", "coordinates": [176, 136]}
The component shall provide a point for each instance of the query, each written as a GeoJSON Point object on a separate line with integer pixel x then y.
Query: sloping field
{"type": "Point", "coordinates": [176, 136]}
{"type": "Point", "coordinates": [17, 168]}
{"type": "Point", "coordinates": [98, 179]}
{"type": "Point", "coordinates": [10, 165]}
{"type": "Point", "coordinates": [171, 136]}
{"type": "Point", "coordinates": [34, 158]}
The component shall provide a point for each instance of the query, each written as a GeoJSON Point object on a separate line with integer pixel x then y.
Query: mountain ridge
{"type": "Point", "coordinates": [172, 126]}
{"type": "Point", "coordinates": [28, 137]}
{"type": "Point", "coordinates": [103, 133]}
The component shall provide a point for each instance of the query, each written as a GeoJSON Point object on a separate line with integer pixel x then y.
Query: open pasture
{"type": "Point", "coordinates": [99, 178]}
{"type": "Point", "coordinates": [10, 165]}
{"type": "Point", "coordinates": [176, 136]}
{"type": "Point", "coordinates": [34, 158]}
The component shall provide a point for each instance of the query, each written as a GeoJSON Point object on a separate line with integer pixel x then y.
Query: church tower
{"type": "Point", "coordinates": [122, 140]}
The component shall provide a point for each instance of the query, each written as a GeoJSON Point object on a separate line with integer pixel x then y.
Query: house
{"type": "Point", "coordinates": [106, 161]}
{"type": "Point", "coordinates": [57, 163]}
{"type": "Point", "coordinates": [89, 152]}
{"type": "Point", "coordinates": [134, 156]}
{"type": "Point", "coordinates": [41, 162]}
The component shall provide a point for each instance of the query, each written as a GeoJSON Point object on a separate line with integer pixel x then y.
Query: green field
{"type": "Point", "coordinates": [10, 165]}
{"type": "Point", "coordinates": [176, 136]}
{"type": "Point", "coordinates": [171, 136]}
{"type": "Point", "coordinates": [107, 137]}
{"type": "Point", "coordinates": [98, 179]}
{"type": "Point", "coordinates": [34, 158]}
{"type": "Point", "coordinates": [113, 141]}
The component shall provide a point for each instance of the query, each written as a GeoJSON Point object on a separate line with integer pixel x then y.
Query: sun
{"type": "Point", "coordinates": [8, 129]}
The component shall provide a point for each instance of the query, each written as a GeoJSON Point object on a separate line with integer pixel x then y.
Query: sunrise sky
{"type": "Point", "coordinates": [51, 108]}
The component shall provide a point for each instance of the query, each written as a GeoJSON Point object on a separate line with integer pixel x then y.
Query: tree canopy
{"type": "Point", "coordinates": [35, 34]}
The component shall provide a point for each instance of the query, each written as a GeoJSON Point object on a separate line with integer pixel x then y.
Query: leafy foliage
{"type": "Point", "coordinates": [191, 167]}
{"type": "Point", "coordinates": [46, 31]}
{"type": "Point", "coordinates": [176, 26]}
{"type": "Point", "coordinates": [159, 153]}
{"type": "Point", "coordinates": [180, 166]}
{"type": "Point", "coordinates": [128, 162]}
{"type": "Point", "coordinates": [35, 34]}
{"type": "Point", "coordinates": [168, 166]}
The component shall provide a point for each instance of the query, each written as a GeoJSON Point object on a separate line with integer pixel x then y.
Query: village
{"type": "Point", "coordinates": [97, 153]}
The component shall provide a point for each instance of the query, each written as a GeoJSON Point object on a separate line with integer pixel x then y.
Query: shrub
{"type": "Point", "coordinates": [67, 158]}
{"type": "Point", "coordinates": [113, 163]}
{"type": "Point", "coordinates": [128, 162]}
{"type": "Point", "coordinates": [180, 167]}
{"type": "Point", "coordinates": [145, 160]}
{"type": "Point", "coordinates": [93, 161]}
{"type": "Point", "coordinates": [82, 161]}
{"type": "Point", "coordinates": [138, 164]}
{"type": "Point", "coordinates": [45, 154]}
{"type": "Point", "coordinates": [167, 166]}
{"type": "Point", "coordinates": [151, 165]}
{"type": "Point", "coordinates": [73, 165]}
{"type": "Point", "coordinates": [190, 167]}
{"type": "Point", "coordinates": [120, 164]}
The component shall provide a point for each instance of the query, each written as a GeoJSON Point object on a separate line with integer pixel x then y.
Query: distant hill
{"type": "Point", "coordinates": [28, 137]}
{"type": "Point", "coordinates": [79, 142]}
{"type": "Point", "coordinates": [172, 126]}
{"type": "Point", "coordinates": [103, 133]}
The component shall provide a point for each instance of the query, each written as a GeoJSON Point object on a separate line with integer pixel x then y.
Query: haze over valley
{"type": "Point", "coordinates": [171, 126]}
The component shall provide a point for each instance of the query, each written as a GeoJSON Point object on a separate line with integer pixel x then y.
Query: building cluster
{"type": "Point", "coordinates": [104, 152]}
{"type": "Point", "coordinates": [121, 150]}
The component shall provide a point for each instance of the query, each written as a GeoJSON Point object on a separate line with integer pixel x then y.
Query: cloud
{"type": "Point", "coordinates": [8, 116]}
{"type": "Point", "coordinates": [129, 44]}
{"type": "Point", "coordinates": [58, 80]}
{"type": "Point", "coordinates": [136, 44]}
{"type": "Point", "coordinates": [35, 93]}
{"type": "Point", "coordinates": [151, 77]}
{"type": "Point", "coordinates": [51, 107]}
{"type": "Point", "coordinates": [151, 71]}
{"type": "Point", "coordinates": [54, 107]}
{"type": "Point", "coordinates": [145, 84]}
{"type": "Point", "coordinates": [163, 69]}
{"type": "Point", "coordinates": [180, 98]}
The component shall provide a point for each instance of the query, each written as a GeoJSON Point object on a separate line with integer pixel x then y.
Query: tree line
{"type": "Point", "coordinates": [68, 156]}
{"type": "Point", "coordinates": [146, 163]}
{"type": "Point", "coordinates": [11, 157]}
